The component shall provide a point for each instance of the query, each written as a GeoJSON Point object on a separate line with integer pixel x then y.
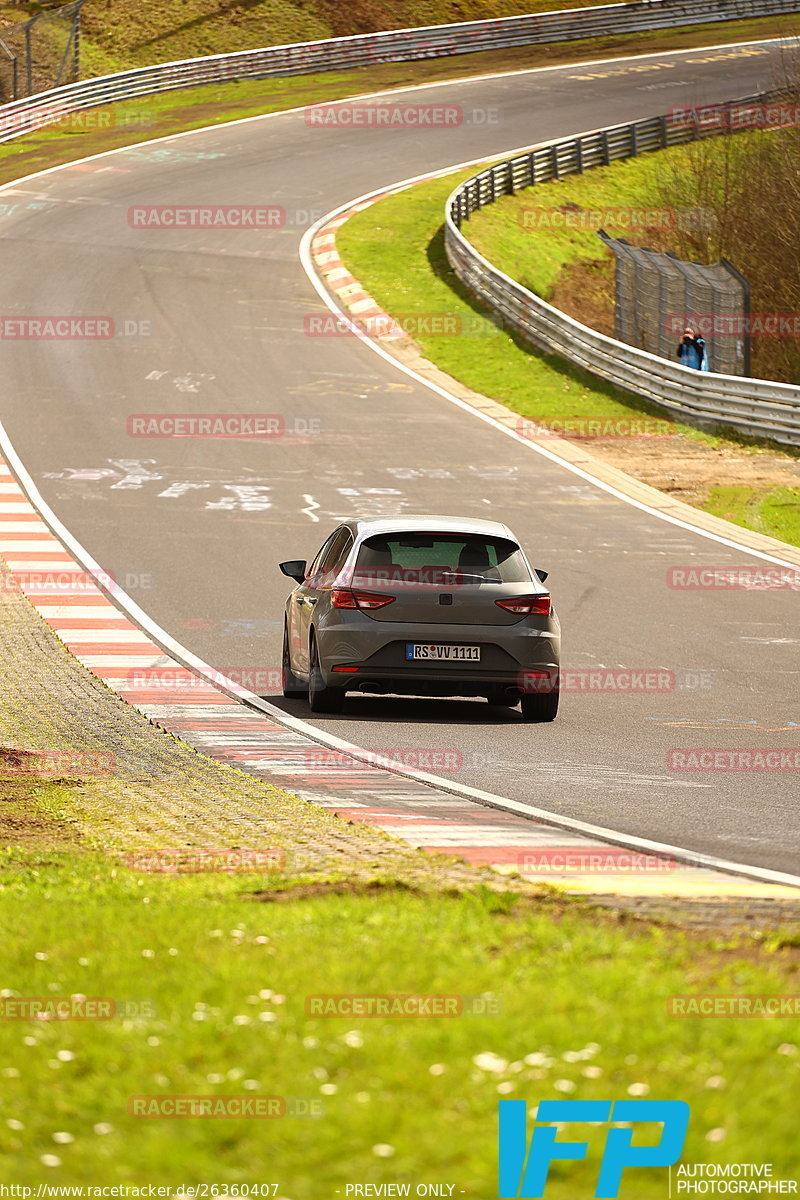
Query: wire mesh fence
{"type": "Point", "coordinates": [757, 407]}
{"type": "Point", "coordinates": [40, 53]}
{"type": "Point", "coordinates": [658, 295]}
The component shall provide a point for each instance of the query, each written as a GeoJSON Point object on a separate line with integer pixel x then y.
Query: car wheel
{"type": "Point", "coordinates": [321, 699]}
{"type": "Point", "coordinates": [541, 706]}
{"type": "Point", "coordinates": [293, 688]}
{"type": "Point", "coordinates": [501, 698]}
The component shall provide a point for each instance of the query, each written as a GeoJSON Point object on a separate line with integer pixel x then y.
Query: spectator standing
{"type": "Point", "coordinates": [692, 351]}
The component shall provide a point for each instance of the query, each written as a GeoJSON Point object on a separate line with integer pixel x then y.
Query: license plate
{"type": "Point", "coordinates": [428, 652]}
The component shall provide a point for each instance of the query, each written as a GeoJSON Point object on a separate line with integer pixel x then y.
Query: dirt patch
{"type": "Point", "coordinates": [690, 469]}
{"type": "Point", "coordinates": [25, 823]}
{"type": "Point", "coordinates": [341, 887]}
{"type": "Point", "coordinates": [682, 466]}
{"type": "Point", "coordinates": [754, 916]}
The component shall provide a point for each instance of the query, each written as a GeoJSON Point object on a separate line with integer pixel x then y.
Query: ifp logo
{"type": "Point", "coordinates": [523, 1169]}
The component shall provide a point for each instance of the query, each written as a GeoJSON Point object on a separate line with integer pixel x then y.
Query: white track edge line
{"type": "Point", "coordinates": [487, 799]}
{"type": "Point", "coordinates": [778, 42]}
{"type": "Point", "coordinates": [141, 618]}
{"type": "Point", "coordinates": [322, 290]}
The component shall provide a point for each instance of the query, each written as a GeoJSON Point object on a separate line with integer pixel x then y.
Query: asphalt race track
{"type": "Point", "coordinates": [213, 322]}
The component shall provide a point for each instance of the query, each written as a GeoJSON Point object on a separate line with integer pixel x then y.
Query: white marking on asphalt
{"type": "Point", "coordinates": [79, 612]}
{"type": "Point", "coordinates": [775, 641]}
{"type": "Point", "coordinates": [245, 498]}
{"type": "Point", "coordinates": [81, 474]}
{"type": "Point", "coordinates": [315, 734]}
{"type": "Point", "coordinates": [122, 661]}
{"type": "Point", "coordinates": [12, 546]}
{"type": "Point", "coordinates": [176, 490]}
{"type": "Point", "coordinates": [105, 636]}
{"type": "Point", "coordinates": [136, 472]}
{"type": "Point", "coordinates": [191, 383]}
{"type": "Point", "coordinates": [312, 504]}
{"type": "Point", "coordinates": [307, 260]}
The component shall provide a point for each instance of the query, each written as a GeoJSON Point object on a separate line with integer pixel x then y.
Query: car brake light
{"type": "Point", "coordinates": [527, 605]}
{"type": "Point", "coordinates": [349, 598]}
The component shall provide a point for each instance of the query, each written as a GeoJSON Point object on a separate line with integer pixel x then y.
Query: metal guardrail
{"type": "Point", "coordinates": [396, 45]}
{"type": "Point", "coordinates": [757, 407]}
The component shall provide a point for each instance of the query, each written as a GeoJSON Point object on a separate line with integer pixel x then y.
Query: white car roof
{"type": "Point", "coordinates": [432, 524]}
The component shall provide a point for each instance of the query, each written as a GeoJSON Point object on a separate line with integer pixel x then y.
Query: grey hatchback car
{"type": "Point", "coordinates": [423, 606]}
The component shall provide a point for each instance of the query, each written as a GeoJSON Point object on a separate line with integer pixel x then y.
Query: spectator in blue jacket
{"type": "Point", "coordinates": [692, 351]}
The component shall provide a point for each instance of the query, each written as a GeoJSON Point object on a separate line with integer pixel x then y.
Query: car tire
{"type": "Point", "coordinates": [321, 699]}
{"type": "Point", "coordinates": [501, 698]}
{"type": "Point", "coordinates": [293, 688]}
{"type": "Point", "coordinates": [542, 706]}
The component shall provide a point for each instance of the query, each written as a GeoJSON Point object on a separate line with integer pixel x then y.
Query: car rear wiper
{"type": "Point", "coordinates": [469, 575]}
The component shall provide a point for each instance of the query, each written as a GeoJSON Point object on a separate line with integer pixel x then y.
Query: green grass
{"type": "Point", "coordinates": [775, 511]}
{"type": "Point", "coordinates": [127, 33]}
{"type": "Point", "coordinates": [523, 234]}
{"type": "Point", "coordinates": [396, 249]}
{"type": "Point", "coordinates": [576, 987]}
{"type": "Point", "coordinates": [159, 116]}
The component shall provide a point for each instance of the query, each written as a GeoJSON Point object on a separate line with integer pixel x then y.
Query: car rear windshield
{"type": "Point", "coordinates": [440, 559]}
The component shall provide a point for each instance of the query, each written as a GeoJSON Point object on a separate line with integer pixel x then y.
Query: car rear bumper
{"type": "Point", "coordinates": [376, 658]}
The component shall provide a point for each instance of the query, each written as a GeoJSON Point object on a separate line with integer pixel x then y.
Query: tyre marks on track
{"type": "Point", "coordinates": [220, 725]}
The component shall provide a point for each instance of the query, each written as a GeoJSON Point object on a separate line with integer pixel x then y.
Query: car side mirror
{"type": "Point", "coordinates": [542, 574]}
{"type": "Point", "coordinates": [295, 569]}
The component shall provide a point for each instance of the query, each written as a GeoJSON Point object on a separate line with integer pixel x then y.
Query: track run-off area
{"type": "Point", "coordinates": [219, 321]}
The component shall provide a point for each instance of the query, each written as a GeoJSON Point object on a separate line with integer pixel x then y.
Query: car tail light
{"type": "Point", "coordinates": [526, 606]}
{"type": "Point", "coordinates": [350, 598]}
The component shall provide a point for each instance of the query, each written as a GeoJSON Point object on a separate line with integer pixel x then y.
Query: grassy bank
{"type": "Point", "coordinates": [129, 34]}
{"type": "Point", "coordinates": [215, 975]}
{"type": "Point", "coordinates": [396, 249]}
{"type": "Point", "coordinates": [159, 116]}
{"type": "Point", "coordinates": [775, 511]}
